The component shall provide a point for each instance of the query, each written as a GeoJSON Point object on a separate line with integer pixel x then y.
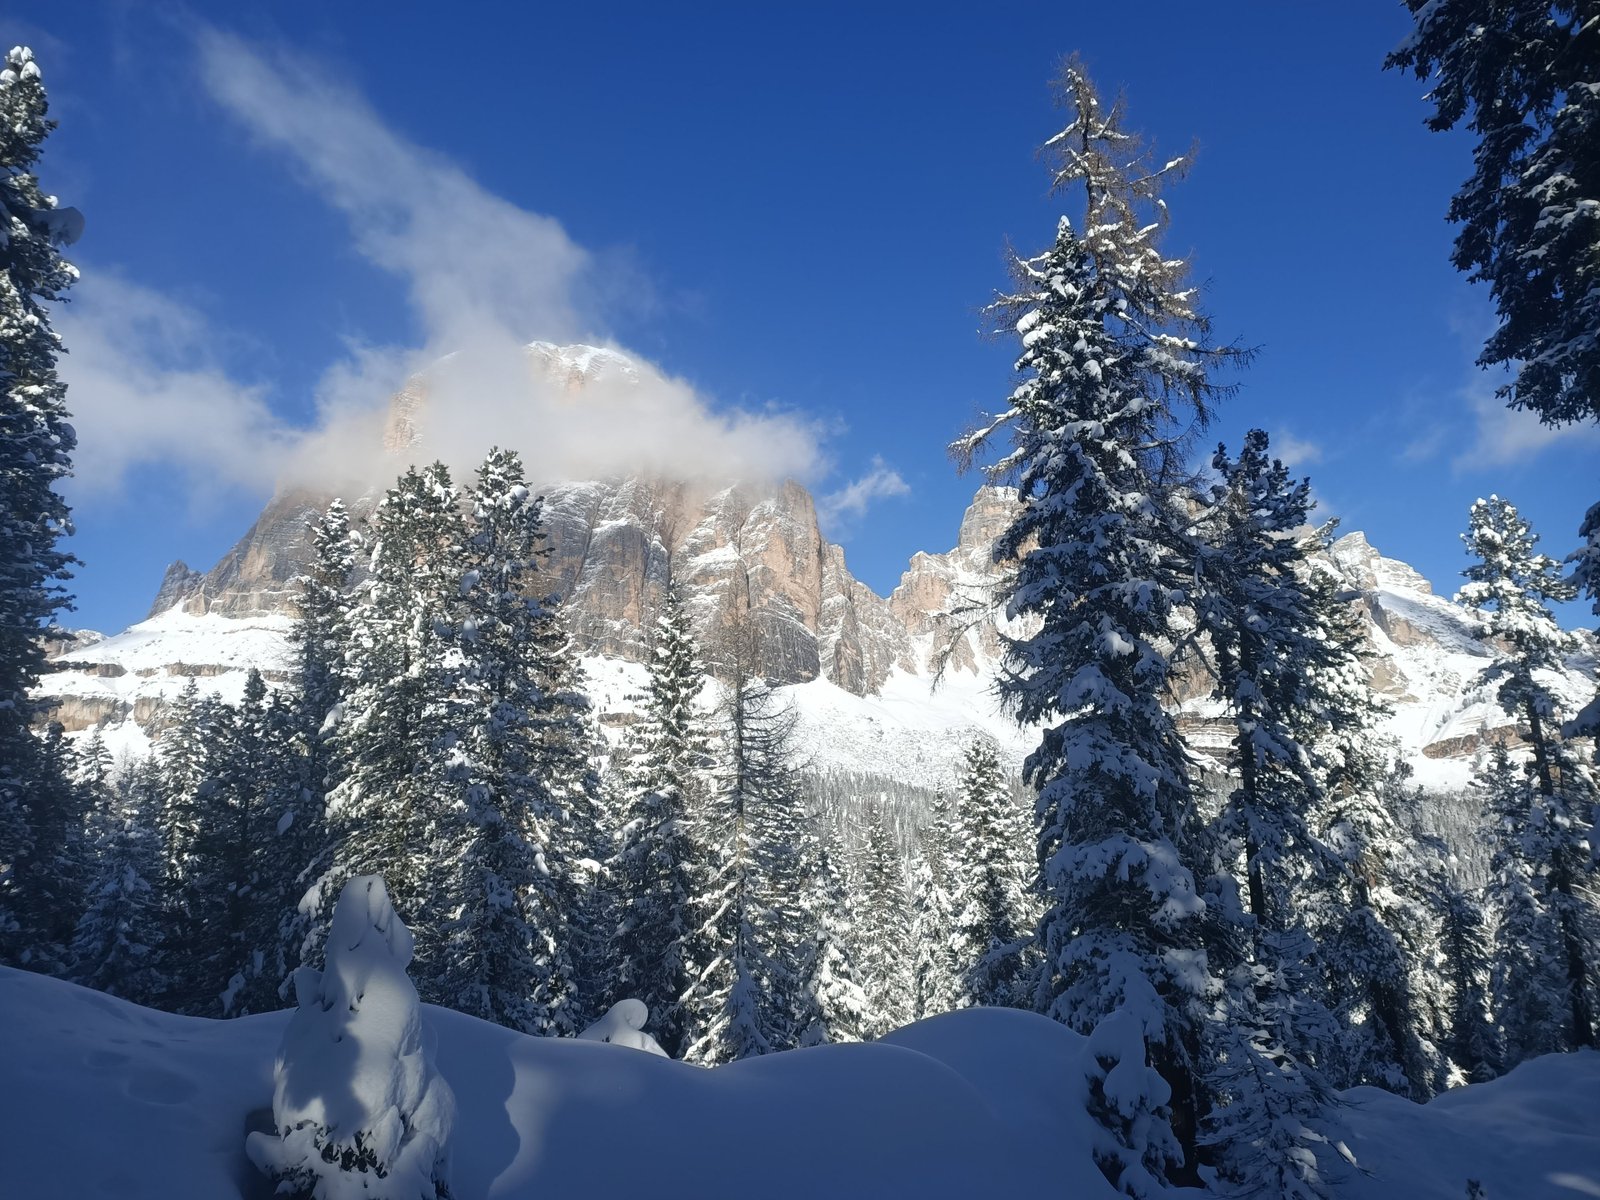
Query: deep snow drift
{"type": "Point", "coordinates": [105, 1099]}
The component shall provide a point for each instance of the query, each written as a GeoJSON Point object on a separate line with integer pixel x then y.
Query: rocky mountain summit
{"type": "Point", "coordinates": [755, 553]}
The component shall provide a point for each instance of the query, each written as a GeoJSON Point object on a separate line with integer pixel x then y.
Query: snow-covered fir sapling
{"type": "Point", "coordinates": [1129, 1101]}
{"type": "Point", "coordinates": [360, 1111]}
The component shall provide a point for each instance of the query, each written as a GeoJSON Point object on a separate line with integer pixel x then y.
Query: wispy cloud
{"type": "Point", "coordinates": [145, 388]}
{"type": "Point", "coordinates": [483, 276]}
{"type": "Point", "coordinates": [1294, 451]}
{"type": "Point", "coordinates": [1503, 436]}
{"type": "Point", "coordinates": [850, 503]}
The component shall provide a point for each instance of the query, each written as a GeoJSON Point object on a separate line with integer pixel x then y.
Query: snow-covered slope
{"type": "Point", "coordinates": [102, 1099]}
{"type": "Point", "coordinates": [105, 1099]}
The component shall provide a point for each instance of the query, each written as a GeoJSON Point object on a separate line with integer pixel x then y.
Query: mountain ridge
{"type": "Point", "coordinates": [755, 553]}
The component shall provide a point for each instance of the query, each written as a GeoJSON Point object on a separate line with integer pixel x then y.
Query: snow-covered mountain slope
{"type": "Point", "coordinates": [102, 1099]}
{"type": "Point", "coordinates": [901, 718]}
{"type": "Point", "coordinates": [886, 686]}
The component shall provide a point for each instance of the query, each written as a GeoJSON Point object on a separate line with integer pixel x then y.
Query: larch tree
{"type": "Point", "coordinates": [37, 806]}
{"type": "Point", "coordinates": [1115, 368]}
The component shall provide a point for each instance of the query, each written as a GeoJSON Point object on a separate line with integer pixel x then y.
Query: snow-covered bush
{"type": "Point", "coordinates": [359, 1109]}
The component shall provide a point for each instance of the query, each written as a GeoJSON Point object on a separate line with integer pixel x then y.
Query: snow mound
{"type": "Point", "coordinates": [103, 1099]}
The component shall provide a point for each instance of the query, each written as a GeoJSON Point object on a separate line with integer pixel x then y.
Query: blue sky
{"type": "Point", "coordinates": [799, 211]}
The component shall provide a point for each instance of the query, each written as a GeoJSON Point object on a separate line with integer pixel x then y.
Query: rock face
{"type": "Point", "coordinates": [256, 577]}
{"type": "Point", "coordinates": [946, 602]}
{"type": "Point", "coordinates": [741, 553]}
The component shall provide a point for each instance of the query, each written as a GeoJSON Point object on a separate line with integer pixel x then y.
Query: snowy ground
{"type": "Point", "coordinates": [104, 1099]}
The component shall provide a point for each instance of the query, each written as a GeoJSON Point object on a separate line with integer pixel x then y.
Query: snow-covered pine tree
{"type": "Point", "coordinates": [231, 780]}
{"type": "Point", "coordinates": [1509, 587]}
{"type": "Point", "coordinates": [989, 885]}
{"type": "Point", "coordinates": [1115, 368]}
{"type": "Point", "coordinates": [1271, 629]}
{"type": "Point", "coordinates": [116, 945]}
{"type": "Point", "coordinates": [277, 811]}
{"type": "Point", "coordinates": [1472, 1045]}
{"type": "Point", "coordinates": [1270, 1131]}
{"type": "Point", "coordinates": [93, 771]}
{"type": "Point", "coordinates": [883, 946]}
{"type": "Point", "coordinates": [1586, 578]}
{"type": "Point", "coordinates": [1532, 1011]}
{"type": "Point", "coordinates": [505, 954]}
{"type": "Point", "coordinates": [322, 638]}
{"type": "Point", "coordinates": [1371, 921]}
{"type": "Point", "coordinates": [752, 1000]}
{"type": "Point", "coordinates": [37, 805]}
{"type": "Point", "coordinates": [1271, 647]}
{"type": "Point", "coordinates": [731, 1011]}
{"type": "Point", "coordinates": [198, 950]}
{"type": "Point", "coordinates": [834, 1006]}
{"type": "Point", "coordinates": [182, 751]}
{"type": "Point", "coordinates": [1129, 1101]}
{"type": "Point", "coordinates": [321, 633]}
{"type": "Point", "coordinates": [568, 740]}
{"type": "Point", "coordinates": [661, 861]}
{"type": "Point", "coordinates": [936, 980]}
{"type": "Point", "coordinates": [384, 816]}
{"type": "Point", "coordinates": [1525, 76]}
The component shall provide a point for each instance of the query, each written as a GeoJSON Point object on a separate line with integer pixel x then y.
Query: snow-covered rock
{"type": "Point", "coordinates": [623, 1025]}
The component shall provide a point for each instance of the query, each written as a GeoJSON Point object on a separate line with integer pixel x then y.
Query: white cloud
{"type": "Point", "coordinates": [1504, 436]}
{"type": "Point", "coordinates": [851, 501]}
{"type": "Point", "coordinates": [145, 388]}
{"type": "Point", "coordinates": [482, 276]}
{"type": "Point", "coordinates": [1293, 451]}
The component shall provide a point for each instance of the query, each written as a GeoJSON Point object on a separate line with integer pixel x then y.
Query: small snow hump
{"type": "Point", "coordinates": [358, 1107]}
{"type": "Point", "coordinates": [623, 1025]}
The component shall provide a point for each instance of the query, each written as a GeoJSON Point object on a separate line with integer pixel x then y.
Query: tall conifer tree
{"type": "Point", "coordinates": [662, 860]}
{"type": "Point", "coordinates": [989, 901]}
{"type": "Point", "coordinates": [1115, 367]}
{"type": "Point", "coordinates": [1510, 587]}
{"type": "Point", "coordinates": [37, 804]}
